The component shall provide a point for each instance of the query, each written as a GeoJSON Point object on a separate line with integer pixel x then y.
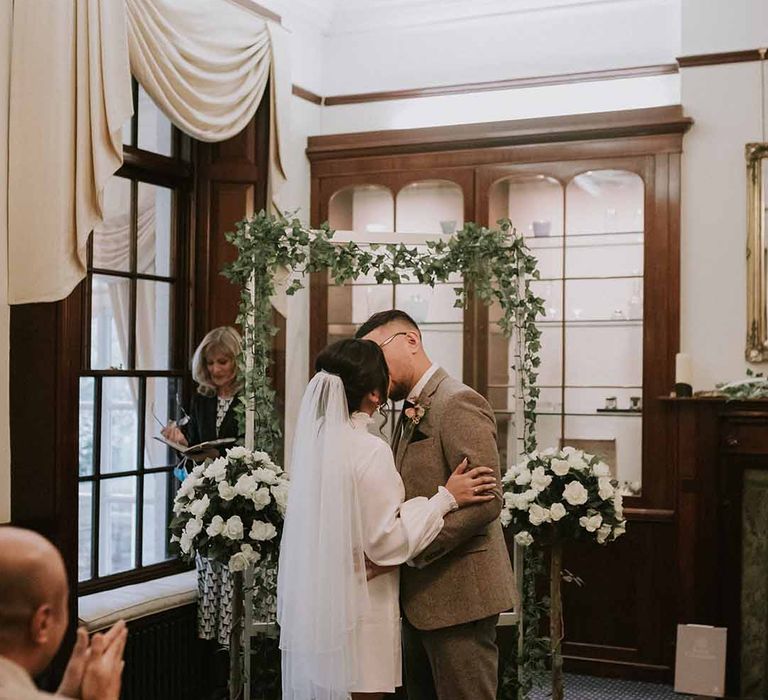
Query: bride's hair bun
{"type": "Point", "coordinates": [361, 366]}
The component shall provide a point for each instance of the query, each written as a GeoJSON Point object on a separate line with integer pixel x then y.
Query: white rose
{"type": "Point", "coordinates": [188, 486]}
{"type": "Point", "coordinates": [265, 476]}
{"type": "Point", "coordinates": [237, 452]}
{"type": "Point", "coordinates": [605, 487]}
{"type": "Point", "coordinates": [509, 475]}
{"type": "Point", "coordinates": [185, 542]}
{"type": "Point", "coordinates": [260, 456]}
{"type": "Point", "coordinates": [523, 478]}
{"type": "Point", "coordinates": [561, 466]}
{"type": "Point", "coordinates": [509, 500]}
{"type": "Point", "coordinates": [250, 553]}
{"type": "Point", "coordinates": [216, 527]}
{"type": "Point", "coordinates": [540, 479]}
{"type": "Point", "coordinates": [246, 485]}
{"type": "Point", "coordinates": [175, 538]}
{"type": "Point", "coordinates": [261, 498]}
{"type": "Point", "coordinates": [538, 515]}
{"type": "Point", "coordinates": [524, 538]}
{"type": "Point", "coordinates": [198, 507]}
{"type": "Point", "coordinates": [198, 470]}
{"type": "Point", "coordinates": [273, 467]}
{"type": "Point", "coordinates": [505, 517]}
{"type": "Point", "coordinates": [602, 533]}
{"type": "Point", "coordinates": [193, 527]}
{"type": "Point", "coordinates": [620, 529]}
{"type": "Point", "coordinates": [618, 505]}
{"type": "Point", "coordinates": [280, 492]}
{"type": "Point", "coordinates": [601, 469]}
{"type": "Point", "coordinates": [548, 452]}
{"type": "Point", "coordinates": [575, 493]}
{"type": "Point", "coordinates": [216, 470]}
{"type": "Point", "coordinates": [577, 460]}
{"type": "Point", "coordinates": [520, 502]}
{"type": "Point", "coordinates": [568, 451]}
{"type": "Point", "coordinates": [530, 495]}
{"type": "Point", "coordinates": [178, 507]}
{"type": "Point", "coordinates": [557, 511]}
{"type": "Point", "coordinates": [592, 522]}
{"type": "Point", "coordinates": [238, 562]}
{"type": "Point", "coordinates": [233, 528]}
{"type": "Point", "coordinates": [226, 491]}
{"type": "Point", "coordinates": [261, 531]}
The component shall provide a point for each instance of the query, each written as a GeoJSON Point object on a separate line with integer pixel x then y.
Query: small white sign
{"type": "Point", "coordinates": [700, 660]}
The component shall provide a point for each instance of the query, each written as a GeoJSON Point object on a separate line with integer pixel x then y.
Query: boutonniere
{"type": "Point", "coordinates": [415, 414]}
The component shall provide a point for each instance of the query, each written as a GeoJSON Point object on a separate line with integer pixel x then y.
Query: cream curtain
{"type": "Point", "coordinates": [205, 63]}
{"type": "Point", "coordinates": [70, 95]}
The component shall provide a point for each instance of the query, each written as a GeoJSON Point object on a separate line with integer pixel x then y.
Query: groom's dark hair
{"type": "Point", "coordinates": [361, 366]}
{"type": "Point", "coordinates": [382, 318]}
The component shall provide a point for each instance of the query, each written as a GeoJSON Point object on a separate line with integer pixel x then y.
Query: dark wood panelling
{"type": "Point", "coordinates": [716, 59]}
{"type": "Point", "coordinates": [510, 84]}
{"type": "Point", "coordinates": [602, 125]}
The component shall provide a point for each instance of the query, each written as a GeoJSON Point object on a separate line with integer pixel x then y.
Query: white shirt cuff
{"type": "Point", "coordinates": [445, 497]}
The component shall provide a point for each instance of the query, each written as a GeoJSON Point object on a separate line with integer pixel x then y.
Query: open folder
{"type": "Point", "coordinates": [201, 450]}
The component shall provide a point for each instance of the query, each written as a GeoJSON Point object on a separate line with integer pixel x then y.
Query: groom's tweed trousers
{"type": "Point", "coordinates": [465, 575]}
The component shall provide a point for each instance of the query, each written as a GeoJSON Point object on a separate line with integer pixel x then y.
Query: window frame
{"type": "Point", "coordinates": [177, 174]}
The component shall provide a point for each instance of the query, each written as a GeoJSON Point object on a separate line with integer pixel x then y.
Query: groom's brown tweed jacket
{"type": "Point", "coordinates": [465, 574]}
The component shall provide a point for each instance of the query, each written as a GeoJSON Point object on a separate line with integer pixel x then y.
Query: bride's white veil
{"type": "Point", "coordinates": [321, 585]}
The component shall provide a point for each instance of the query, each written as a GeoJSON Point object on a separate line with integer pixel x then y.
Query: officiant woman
{"type": "Point", "coordinates": [212, 412]}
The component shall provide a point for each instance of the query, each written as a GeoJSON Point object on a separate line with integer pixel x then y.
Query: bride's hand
{"type": "Point", "coordinates": [470, 486]}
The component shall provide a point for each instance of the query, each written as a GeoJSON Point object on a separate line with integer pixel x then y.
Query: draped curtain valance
{"type": "Point", "coordinates": [205, 63]}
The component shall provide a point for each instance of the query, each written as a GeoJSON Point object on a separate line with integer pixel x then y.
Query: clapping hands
{"type": "Point", "coordinates": [95, 668]}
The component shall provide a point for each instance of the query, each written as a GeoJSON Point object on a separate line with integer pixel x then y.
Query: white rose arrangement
{"type": "Point", "coordinates": [231, 510]}
{"type": "Point", "coordinates": [566, 494]}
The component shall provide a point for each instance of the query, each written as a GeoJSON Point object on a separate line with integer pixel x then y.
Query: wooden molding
{"type": "Point", "coordinates": [307, 95]}
{"type": "Point", "coordinates": [716, 59]}
{"type": "Point", "coordinates": [511, 84]}
{"type": "Point", "coordinates": [600, 125]}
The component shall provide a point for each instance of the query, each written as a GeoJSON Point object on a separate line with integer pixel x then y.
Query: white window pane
{"type": "Point", "coordinates": [430, 206]}
{"type": "Point", "coordinates": [110, 313]}
{"type": "Point", "coordinates": [362, 208]}
{"type": "Point", "coordinates": [86, 425]}
{"type": "Point", "coordinates": [154, 127]}
{"type": "Point", "coordinates": [112, 236]}
{"type": "Point", "coordinates": [119, 424]}
{"type": "Point", "coordinates": [163, 400]}
{"type": "Point", "coordinates": [117, 533]}
{"type": "Point", "coordinates": [153, 324]}
{"type": "Point", "coordinates": [84, 531]}
{"type": "Point", "coordinates": [605, 201]}
{"type": "Point", "coordinates": [154, 222]}
{"type": "Point", "coordinates": [155, 527]}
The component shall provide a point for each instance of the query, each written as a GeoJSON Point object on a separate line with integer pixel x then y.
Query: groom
{"type": "Point", "coordinates": [452, 593]}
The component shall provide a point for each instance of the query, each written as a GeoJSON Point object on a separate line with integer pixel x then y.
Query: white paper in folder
{"type": "Point", "coordinates": [700, 660]}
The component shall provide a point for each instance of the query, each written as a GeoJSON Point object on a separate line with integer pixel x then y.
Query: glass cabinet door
{"type": "Point", "coordinates": [368, 214]}
{"type": "Point", "coordinates": [587, 235]}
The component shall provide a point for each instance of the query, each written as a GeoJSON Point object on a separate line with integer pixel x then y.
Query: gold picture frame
{"type": "Point", "coordinates": [757, 285]}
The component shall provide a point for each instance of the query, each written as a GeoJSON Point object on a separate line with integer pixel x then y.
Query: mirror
{"type": "Point", "coordinates": [757, 265]}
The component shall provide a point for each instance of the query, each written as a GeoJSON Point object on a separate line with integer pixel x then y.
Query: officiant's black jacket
{"type": "Point", "coordinates": [202, 426]}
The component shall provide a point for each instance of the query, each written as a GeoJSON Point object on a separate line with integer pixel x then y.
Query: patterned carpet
{"type": "Point", "coordinates": [590, 688]}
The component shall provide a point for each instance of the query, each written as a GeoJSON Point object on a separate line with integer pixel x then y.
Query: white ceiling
{"type": "Point", "coordinates": [337, 17]}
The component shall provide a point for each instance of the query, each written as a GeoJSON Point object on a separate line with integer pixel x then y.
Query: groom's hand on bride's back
{"type": "Point", "coordinates": [470, 486]}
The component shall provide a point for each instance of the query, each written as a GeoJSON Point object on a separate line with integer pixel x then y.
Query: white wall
{"type": "Point", "coordinates": [724, 101]}
{"type": "Point", "coordinates": [713, 26]}
{"type": "Point", "coordinates": [505, 44]}
{"type": "Point", "coordinates": [6, 10]}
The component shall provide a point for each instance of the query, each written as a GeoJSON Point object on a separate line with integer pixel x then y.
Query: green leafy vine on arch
{"type": "Point", "coordinates": [494, 262]}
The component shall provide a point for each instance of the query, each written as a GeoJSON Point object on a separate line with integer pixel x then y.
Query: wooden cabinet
{"type": "Point", "coordinates": [598, 197]}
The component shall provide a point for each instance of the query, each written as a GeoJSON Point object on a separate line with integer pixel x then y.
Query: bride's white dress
{"type": "Point", "coordinates": [394, 531]}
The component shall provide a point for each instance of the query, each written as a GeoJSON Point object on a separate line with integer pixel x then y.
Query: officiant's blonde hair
{"type": "Point", "coordinates": [225, 340]}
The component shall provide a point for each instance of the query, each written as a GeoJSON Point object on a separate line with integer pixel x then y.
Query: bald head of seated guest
{"type": "Point", "coordinates": [33, 619]}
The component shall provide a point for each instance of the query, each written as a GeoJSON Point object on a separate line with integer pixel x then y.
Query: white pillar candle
{"type": "Point", "coordinates": [683, 369]}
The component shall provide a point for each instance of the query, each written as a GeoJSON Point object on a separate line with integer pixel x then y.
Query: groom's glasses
{"type": "Point", "coordinates": [392, 337]}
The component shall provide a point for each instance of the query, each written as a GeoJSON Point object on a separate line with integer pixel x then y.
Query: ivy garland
{"type": "Point", "coordinates": [494, 263]}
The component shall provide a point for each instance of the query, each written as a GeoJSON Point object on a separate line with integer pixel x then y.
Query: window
{"type": "Point", "coordinates": [135, 358]}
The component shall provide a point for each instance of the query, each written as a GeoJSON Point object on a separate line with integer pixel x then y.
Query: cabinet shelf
{"type": "Point", "coordinates": [599, 413]}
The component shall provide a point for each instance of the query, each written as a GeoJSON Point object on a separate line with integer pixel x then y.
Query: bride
{"type": "Point", "coordinates": [339, 632]}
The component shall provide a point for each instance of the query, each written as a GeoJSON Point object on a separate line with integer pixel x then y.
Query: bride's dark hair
{"type": "Point", "coordinates": [361, 366]}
